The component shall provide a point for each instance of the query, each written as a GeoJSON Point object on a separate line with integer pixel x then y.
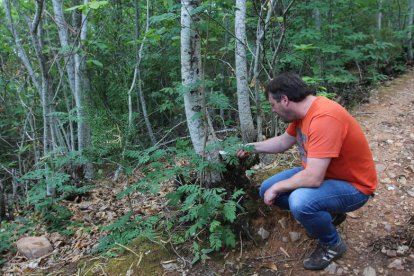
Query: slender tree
{"type": "Point", "coordinates": [194, 97]}
{"type": "Point", "coordinates": [243, 93]}
{"type": "Point", "coordinates": [76, 70]}
{"type": "Point", "coordinates": [410, 30]}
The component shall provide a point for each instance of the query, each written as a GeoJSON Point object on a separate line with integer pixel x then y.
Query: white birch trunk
{"type": "Point", "coordinates": [62, 28]}
{"type": "Point", "coordinates": [410, 30]}
{"type": "Point", "coordinates": [194, 98]}
{"type": "Point", "coordinates": [243, 98]}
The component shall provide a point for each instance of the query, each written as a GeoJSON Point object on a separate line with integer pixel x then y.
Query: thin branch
{"type": "Point", "coordinates": [38, 16]}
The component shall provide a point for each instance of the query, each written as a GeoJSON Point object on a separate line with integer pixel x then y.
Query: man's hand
{"type": "Point", "coordinates": [241, 153]}
{"type": "Point", "coordinates": [270, 195]}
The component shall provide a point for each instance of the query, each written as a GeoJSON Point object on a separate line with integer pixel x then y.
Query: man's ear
{"type": "Point", "coordinates": [284, 99]}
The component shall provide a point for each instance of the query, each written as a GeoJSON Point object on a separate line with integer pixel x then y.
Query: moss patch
{"type": "Point", "coordinates": [143, 258]}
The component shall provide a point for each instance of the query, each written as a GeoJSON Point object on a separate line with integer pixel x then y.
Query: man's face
{"type": "Point", "coordinates": [281, 108]}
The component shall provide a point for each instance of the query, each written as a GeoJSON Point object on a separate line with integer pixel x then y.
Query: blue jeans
{"type": "Point", "coordinates": [312, 207]}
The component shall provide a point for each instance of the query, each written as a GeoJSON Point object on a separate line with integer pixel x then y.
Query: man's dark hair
{"type": "Point", "coordinates": [290, 85]}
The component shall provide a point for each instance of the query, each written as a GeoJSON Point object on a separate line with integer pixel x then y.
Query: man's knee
{"type": "Point", "coordinates": [299, 205]}
{"type": "Point", "coordinates": [263, 188]}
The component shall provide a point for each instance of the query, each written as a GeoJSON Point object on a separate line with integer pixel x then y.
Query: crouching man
{"type": "Point", "coordinates": [337, 174]}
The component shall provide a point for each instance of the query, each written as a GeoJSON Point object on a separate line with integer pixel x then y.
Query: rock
{"type": "Point", "coordinates": [380, 167]}
{"type": "Point", "coordinates": [294, 236]}
{"type": "Point", "coordinates": [85, 205]}
{"type": "Point", "coordinates": [34, 247]}
{"type": "Point", "coordinates": [55, 237]}
{"type": "Point", "coordinates": [263, 233]}
{"type": "Point", "coordinates": [391, 174]}
{"type": "Point", "coordinates": [385, 180]}
{"type": "Point", "coordinates": [169, 266]}
{"type": "Point", "coordinates": [285, 239]}
{"type": "Point", "coordinates": [331, 268]}
{"type": "Point", "coordinates": [402, 180]}
{"type": "Point", "coordinates": [391, 253]}
{"type": "Point", "coordinates": [397, 264]}
{"type": "Point", "coordinates": [411, 192]}
{"type": "Point", "coordinates": [369, 271]}
{"type": "Point", "coordinates": [390, 187]}
{"type": "Point", "coordinates": [402, 250]}
{"type": "Point", "coordinates": [387, 227]}
{"type": "Point", "coordinates": [340, 271]}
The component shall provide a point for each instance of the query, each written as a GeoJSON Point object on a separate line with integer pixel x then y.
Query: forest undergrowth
{"type": "Point", "coordinates": [179, 227]}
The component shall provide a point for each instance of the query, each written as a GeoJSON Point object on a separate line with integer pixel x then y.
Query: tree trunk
{"type": "Point", "coordinates": [410, 31]}
{"type": "Point", "coordinates": [139, 82]}
{"type": "Point", "coordinates": [379, 16]}
{"type": "Point", "coordinates": [243, 98]}
{"type": "Point", "coordinates": [194, 97]}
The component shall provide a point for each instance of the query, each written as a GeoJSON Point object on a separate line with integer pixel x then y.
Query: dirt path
{"type": "Point", "coordinates": [379, 235]}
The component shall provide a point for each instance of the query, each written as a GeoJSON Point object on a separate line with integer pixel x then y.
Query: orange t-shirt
{"type": "Point", "coordinates": [329, 131]}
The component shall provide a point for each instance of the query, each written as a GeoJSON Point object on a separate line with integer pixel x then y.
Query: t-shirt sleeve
{"type": "Point", "coordinates": [291, 129]}
{"type": "Point", "coordinates": [325, 137]}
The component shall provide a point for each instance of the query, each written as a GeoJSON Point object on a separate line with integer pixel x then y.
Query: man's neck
{"type": "Point", "coordinates": [304, 106]}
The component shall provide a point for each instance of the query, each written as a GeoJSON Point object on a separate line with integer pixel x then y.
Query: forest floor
{"type": "Point", "coordinates": [380, 235]}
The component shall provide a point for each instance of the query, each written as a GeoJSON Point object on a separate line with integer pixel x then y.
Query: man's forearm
{"type": "Point", "coordinates": [274, 145]}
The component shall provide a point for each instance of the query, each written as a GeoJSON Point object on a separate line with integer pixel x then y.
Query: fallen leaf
{"type": "Point", "coordinates": [271, 266]}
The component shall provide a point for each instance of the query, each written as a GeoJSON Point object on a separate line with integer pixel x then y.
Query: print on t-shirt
{"type": "Point", "coordinates": [301, 140]}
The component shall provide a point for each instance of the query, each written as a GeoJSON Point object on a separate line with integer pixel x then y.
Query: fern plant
{"type": "Point", "coordinates": [125, 229]}
{"type": "Point", "coordinates": [51, 174]}
{"type": "Point", "coordinates": [202, 209]}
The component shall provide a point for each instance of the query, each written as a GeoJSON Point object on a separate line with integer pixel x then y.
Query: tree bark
{"type": "Point", "coordinates": [379, 16]}
{"type": "Point", "coordinates": [243, 97]}
{"type": "Point", "coordinates": [194, 97]}
{"type": "Point", "coordinates": [410, 32]}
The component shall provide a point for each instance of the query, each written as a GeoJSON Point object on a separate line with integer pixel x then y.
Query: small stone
{"type": "Point", "coordinates": [391, 253]}
{"type": "Point", "coordinates": [402, 250]}
{"type": "Point", "coordinates": [402, 180]}
{"type": "Point", "coordinates": [397, 264]}
{"type": "Point", "coordinates": [85, 205]}
{"type": "Point", "coordinates": [390, 142]}
{"type": "Point", "coordinates": [385, 180]}
{"type": "Point", "coordinates": [169, 266]}
{"type": "Point", "coordinates": [294, 236]}
{"type": "Point", "coordinates": [34, 247]}
{"type": "Point", "coordinates": [55, 237]}
{"type": "Point", "coordinates": [380, 167]}
{"type": "Point", "coordinates": [369, 271]}
{"type": "Point", "coordinates": [411, 192]}
{"type": "Point", "coordinates": [331, 269]}
{"type": "Point", "coordinates": [391, 174]}
{"type": "Point", "coordinates": [263, 233]}
{"type": "Point", "coordinates": [285, 239]}
{"type": "Point", "coordinates": [387, 227]}
{"type": "Point", "coordinates": [340, 271]}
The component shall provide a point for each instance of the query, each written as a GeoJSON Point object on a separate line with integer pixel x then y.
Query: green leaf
{"type": "Point", "coordinates": [304, 47]}
{"type": "Point", "coordinates": [214, 224]}
{"type": "Point", "coordinates": [229, 211]}
{"type": "Point", "coordinates": [78, 7]}
{"type": "Point", "coordinates": [97, 4]}
{"type": "Point", "coordinates": [218, 100]}
{"type": "Point", "coordinates": [95, 62]}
